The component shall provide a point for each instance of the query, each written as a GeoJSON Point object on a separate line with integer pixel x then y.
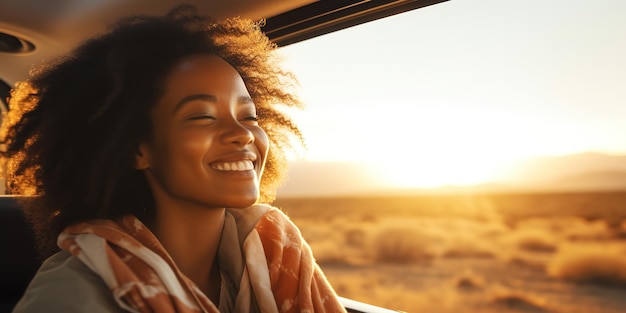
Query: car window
{"type": "Point", "coordinates": [467, 156]}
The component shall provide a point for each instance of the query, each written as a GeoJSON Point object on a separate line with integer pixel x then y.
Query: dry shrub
{"type": "Point", "coordinates": [328, 252]}
{"type": "Point", "coordinates": [589, 231]}
{"type": "Point", "coordinates": [467, 247]}
{"type": "Point", "coordinates": [534, 240]}
{"type": "Point", "coordinates": [370, 289]}
{"type": "Point", "coordinates": [315, 231]}
{"type": "Point", "coordinates": [596, 263]}
{"type": "Point", "coordinates": [556, 225]}
{"type": "Point", "coordinates": [568, 227]}
{"type": "Point", "coordinates": [621, 230]}
{"type": "Point", "coordinates": [464, 228]}
{"type": "Point", "coordinates": [468, 280]}
{"type": "Point", "coordinates": [342, 241]}
{"type": "Point", "coordinates": [493, 230]}
{"type": "Point", "coordinates": [369, 218]}
{"type": "Point", "coordinates": [518, 301]}
{"type": "Point", "coordinates": [356, 237]}
{"type": "Point", "coordinates": [355, 286]}
{"type": "Point", "coordinates": [470, 239]}
{"type": "Point", "coordinates": [411, 240]}
{"type": "Point", "coordinates": [403, 244]}
{"type": "Point", "coordinates": [527, 261]}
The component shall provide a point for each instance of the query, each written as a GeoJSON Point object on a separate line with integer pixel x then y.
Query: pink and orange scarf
{"type": "Point", "coordinates": [266, 266]}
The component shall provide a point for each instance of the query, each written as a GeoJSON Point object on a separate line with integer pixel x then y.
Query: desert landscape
{"type": "Point", "coordinates": [471, 252]}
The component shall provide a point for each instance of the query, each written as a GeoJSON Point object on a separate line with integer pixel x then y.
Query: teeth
{"type": "Point", "coordinates": [244, 165]}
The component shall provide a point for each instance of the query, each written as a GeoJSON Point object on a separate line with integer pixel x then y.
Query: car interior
{"type": "Point", "coordinates": [36, 30]}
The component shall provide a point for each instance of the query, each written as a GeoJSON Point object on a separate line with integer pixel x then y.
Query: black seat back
{"type": "Point", "coordinates": [19, 259]}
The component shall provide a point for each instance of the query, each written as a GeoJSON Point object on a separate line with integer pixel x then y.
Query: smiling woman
{"type": "Point", "coordinates": [149, 165]}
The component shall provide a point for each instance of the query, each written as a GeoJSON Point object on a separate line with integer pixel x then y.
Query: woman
{"type": "Point", "coordinates": [149, 149]}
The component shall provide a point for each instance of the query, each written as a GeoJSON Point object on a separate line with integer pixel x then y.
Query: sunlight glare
{"type": "Point", "coordinates": [461, 105]}
{"type": "Point", "coordinates": [413, 146]}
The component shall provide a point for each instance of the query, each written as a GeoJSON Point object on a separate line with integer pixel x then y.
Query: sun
{"type": "Point", "coordinates": [413, 148]}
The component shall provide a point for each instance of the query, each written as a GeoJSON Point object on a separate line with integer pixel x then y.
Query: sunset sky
{"type": "Point", "coordinates": [455, 92]}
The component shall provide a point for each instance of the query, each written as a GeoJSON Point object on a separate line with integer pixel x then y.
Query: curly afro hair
{"type": "Point", "coordinates": [73, 128]}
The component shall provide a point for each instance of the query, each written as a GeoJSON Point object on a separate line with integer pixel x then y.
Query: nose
{"type": "Point", "coordinates": [236, 133]}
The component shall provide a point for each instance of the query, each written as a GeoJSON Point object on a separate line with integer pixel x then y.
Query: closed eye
{"type": "Point", "coordinates": [252, 120]}
{"type": "Point", "coordinates": [201, 117]}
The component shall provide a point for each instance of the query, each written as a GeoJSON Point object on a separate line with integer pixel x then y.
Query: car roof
{"type": "Point", "coordinates": [55, 27]}
{"type": "Point", "coordinates": [36, 30]}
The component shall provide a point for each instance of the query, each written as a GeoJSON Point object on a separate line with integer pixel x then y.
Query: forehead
{"type": "Point", "coordinates": [203, 73]}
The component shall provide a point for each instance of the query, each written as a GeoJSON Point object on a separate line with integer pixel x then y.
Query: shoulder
{"type": "Point", "coordinates": [276, 223]}
{"type": "Point", "coordinates": [280, 237]}
{"type": "Point", "coordinates": [297, 282]}
{"type": "Point", "coordinates": [64, 284]}
{"type": "Point", "coordinates": [267, 220]}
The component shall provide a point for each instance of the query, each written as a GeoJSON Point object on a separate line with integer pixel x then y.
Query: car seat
{"type": "Point", "coordinates": [19, 259]}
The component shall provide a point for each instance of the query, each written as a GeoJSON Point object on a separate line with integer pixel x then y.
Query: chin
{"type": "Point", "coordinates": [243, 202]}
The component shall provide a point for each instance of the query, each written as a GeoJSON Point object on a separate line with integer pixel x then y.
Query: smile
{"type": "Point", "coordinates": [243, 165]}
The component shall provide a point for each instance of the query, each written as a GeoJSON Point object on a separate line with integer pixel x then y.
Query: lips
{"type": "Point", "coordinates": [233, 166]}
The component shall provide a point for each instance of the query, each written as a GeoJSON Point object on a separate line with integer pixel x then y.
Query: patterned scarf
{"type": "Point", "coordinates": [265, 263]}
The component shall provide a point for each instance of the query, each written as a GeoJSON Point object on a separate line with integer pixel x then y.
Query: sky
{"type": "Point", "coordinates": [457, 92]}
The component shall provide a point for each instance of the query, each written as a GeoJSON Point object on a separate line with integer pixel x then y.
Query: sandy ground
{"type": "Point", "coordinates": [471, 285]}
{"type": "Point", "coordinates": [563, 253]}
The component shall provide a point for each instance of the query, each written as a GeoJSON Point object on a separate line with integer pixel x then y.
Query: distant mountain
{"type": "Point", "coordinates": [551, 169]}
{"type": "Point", "coordinates": [608, 180]}
{"type": "Point", "coordinates": [577, 172]}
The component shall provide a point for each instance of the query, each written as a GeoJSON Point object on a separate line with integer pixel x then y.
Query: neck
{"type": "Point", "coordinates": [191, 236]}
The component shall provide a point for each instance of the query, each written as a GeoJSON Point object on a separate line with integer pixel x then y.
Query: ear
{"type": "Point", "coordinates": [142, 161]}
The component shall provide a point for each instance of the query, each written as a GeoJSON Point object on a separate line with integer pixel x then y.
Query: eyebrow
{"type": "Point", "coordinates": [209, 98]}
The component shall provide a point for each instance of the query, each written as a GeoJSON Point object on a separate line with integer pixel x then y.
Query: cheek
{"type": "Point", "coordinates": [261, 141]}
{"type": "Point", "coordinates": [197, 142]}
{"type": "Point", "coordinates": [189, 153]}
{"type": "Point", "coordinates": [187, 148]}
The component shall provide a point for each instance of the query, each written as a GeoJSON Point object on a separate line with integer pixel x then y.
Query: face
{"type": "Point", "coordinates": [207, 148]}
